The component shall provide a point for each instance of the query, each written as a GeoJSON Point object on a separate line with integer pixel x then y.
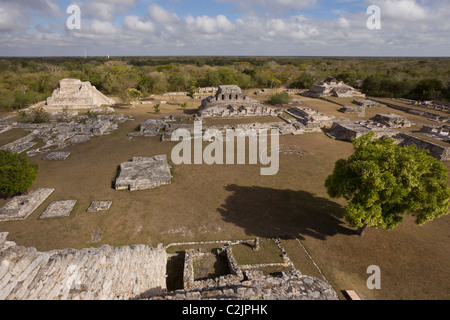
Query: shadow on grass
{"type": "Point", "coordinates": [266, 212]}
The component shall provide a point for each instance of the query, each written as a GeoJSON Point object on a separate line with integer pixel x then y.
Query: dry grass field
{"type": "Point", "coordinates": [221, 202]}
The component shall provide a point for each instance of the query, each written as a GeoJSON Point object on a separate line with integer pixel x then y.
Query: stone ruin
{"type": "Point", "coordinates": [230, 101]}
{"type": "Point", "coordinates": [347, 130]}
{"type": "Point", "coordinates": [311, 118]}
{"type": "Point", "coordinates": [361, 110]}
{"type": "Point", "coordinates": [21, 207]}
{"type": "Point", "coordinates": [392, 120]}
{"type": "Point", "coordinates": [332, 87]}
{"type": "Point", "coordinates": [435, 150]}
{"type": "Point", "coordinates": [104, 273]}
{"type": "Point", "coordinates": [437, 132]}
{"type": "Point", "coordinates": [58, 209]}
{"type": "Point", "coordinates": [303, 120]}
{"type": "Point", "coordinates": [75, 94]}
{"type": "Point", "coordinates": [143, 173]}
{"type": "Point", "coordinates": [139, 272]}
{"type": "Point", "coordinates": [247, 282]}
{"type": "Point", "coordinates": [97, 206]}
{"type": "Point", "coordinates": [59, 135]}
{"type": "Point", "coordinates": [367, 103]}
{"type": "Point", "coordinates": [57, 156]}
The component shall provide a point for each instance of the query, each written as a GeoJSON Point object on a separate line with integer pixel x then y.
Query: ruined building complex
{"type": "Point", "coordinates": [332, 87]}
{"type": "Point", "coordinates": [137, 272]}
{"type": "Point", "coordinates": [74, 94]}
{"type": "Point", "coordinates": [230, 101]}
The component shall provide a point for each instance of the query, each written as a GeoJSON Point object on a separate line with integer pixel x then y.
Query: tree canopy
{"type": "Point", "coordinates": [16, 173]}
{"type": "Point", "coordinates": [383, 181]}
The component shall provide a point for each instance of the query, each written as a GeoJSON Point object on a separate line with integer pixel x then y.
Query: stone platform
{"type": "Point", "coordinates": [58, 209]}
{"type": "Point", "coordinates": [20, 207]}
{"type": "Point", "coordinates": [97, 206]}
{"type": "Point", "coordinates": [143, 173]}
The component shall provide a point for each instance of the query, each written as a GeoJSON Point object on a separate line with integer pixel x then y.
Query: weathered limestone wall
{"type": "Point", "coordinates": [110, 273]}
{"type": "Point", "coordinates": [437, 151]}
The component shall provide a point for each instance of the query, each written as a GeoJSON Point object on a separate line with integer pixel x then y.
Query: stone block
{"type": "Point", "coordinates": [58, 209]}
{"type": "Point", "coordinates": [57, 156]}
{"type": "Point", "coordinates": [143, 173]}
{"type": "Point", "coordinates": [20, 207]}
{"type": "Point", "coordinates": [97, 206]}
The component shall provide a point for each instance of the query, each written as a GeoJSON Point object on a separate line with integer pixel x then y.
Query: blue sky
{"type": "Point", "coordinates": [225, 27]}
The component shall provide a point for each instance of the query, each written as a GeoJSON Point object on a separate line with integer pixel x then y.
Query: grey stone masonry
{"type": "Point", "coordinates": [104, 273]}
{"type": "Point", "coordinates": [347, 130]}
{"type": "Point", "coordinates": [437, 151]}
{"type": "Point", "coordinates": [97, 206]}
{"type": "Point", "coordinates": [21, 207]}
{"type": "Point", "coordinates": [392, 120]}
{"type": "Point", "coordinates": [230, 101]}
{"type": "Point", "coordinates": [144, 173]}
{"type": "Point", "coordinates": [291, 285]}
{"type": "Point", "coordinates": [58, 209]}
{"type": "Point", "coordinates": [57, 156]}
{"type": "Point", "coordinates": [75, 94]}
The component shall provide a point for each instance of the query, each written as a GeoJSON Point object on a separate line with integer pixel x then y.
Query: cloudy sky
{"type": "Point", "coordinates": [225, 27]}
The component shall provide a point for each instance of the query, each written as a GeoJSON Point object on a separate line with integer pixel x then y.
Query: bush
{"type": "Point", "coordinates": [280, 98]}
{"type": "Point", "coordinates": [17, 175]}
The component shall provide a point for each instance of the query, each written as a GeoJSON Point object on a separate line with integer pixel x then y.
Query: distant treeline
{"type": "Point", "coordinates": [25, 81]}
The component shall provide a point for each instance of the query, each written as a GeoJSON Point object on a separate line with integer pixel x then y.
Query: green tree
{"type": "Point", "coordinates": [192, 91]}
{"type": "Point", "coordinates": [16, 173]}
{"type": "Point", "coordinates": [383, 182]}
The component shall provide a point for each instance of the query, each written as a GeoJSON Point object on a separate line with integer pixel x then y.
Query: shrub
{"type": "Point", "coordinates": [280, 98]}
{"type": "Point", "coordinates": [17, 175]}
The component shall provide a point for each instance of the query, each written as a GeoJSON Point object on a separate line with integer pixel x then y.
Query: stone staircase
{"type": "Point", "coordinates": [109, 273]}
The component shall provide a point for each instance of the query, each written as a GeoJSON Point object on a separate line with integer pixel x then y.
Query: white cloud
{"type": "Point", "coordinates": [272, 5]}
{"type": "Point", "coordinates": [9, 18]}
{"type": "Point", "coordinates": [162, 16]}
{"type": "Point", "coordinates": [105, 9]}
{"type": "Point", "coordinates": [409, 27]}
{"type": "Point", "coordinates": [135, 23]}
{"type": "Point", "coordinates": [408, 10]}
{"type": "Point", "coordinates": [208, 25]}
{"type": "Point", "coordinates": [102, 27]}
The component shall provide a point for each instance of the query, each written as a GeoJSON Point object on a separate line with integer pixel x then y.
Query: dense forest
{"type": "Point", "coordinates": [25, 81]}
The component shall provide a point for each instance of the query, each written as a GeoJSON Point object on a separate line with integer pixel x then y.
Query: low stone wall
{"type": "Point", "coordinates": [429, 115]}
{"type": "Point", "coordinates": [437, 151]}
{"type": "Point", "coordinates": [290, 285]}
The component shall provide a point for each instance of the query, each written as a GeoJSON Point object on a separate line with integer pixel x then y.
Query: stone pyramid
{"type": "Point", "coordinates": [75, 94]}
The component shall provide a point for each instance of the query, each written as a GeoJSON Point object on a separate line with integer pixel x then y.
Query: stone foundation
{"type": "Point", "coordinates": [143, 173]}
{"type": "Point", "coordinates": [21, 207]}
{"type": "Point", "coordinates": [58, 209]}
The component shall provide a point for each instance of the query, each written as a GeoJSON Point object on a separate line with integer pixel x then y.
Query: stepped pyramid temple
{"type": "Point", "coordinates": [75, 94]}
{"type": "Point", "coordinates": [230, 101]}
